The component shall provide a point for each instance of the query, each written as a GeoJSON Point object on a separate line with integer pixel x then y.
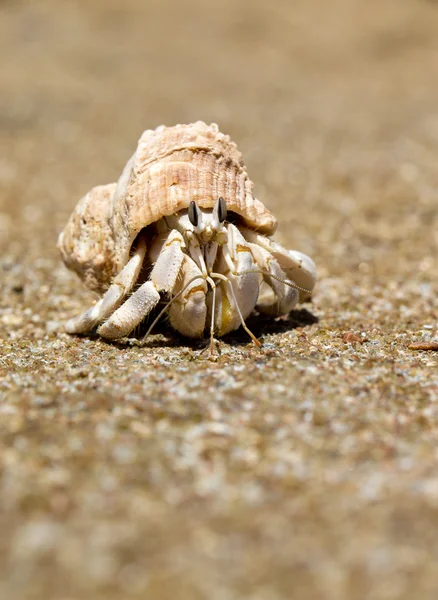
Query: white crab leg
{"type": "Point", "coordinates": [121, 286]}
{"type": "Point", "coordinates": [143, 300]}
{"type": "Point", "coordinates": [298, 267]}
{"type": "Point", "coordinates": [131, 313]}
{"type": "Point", "coordinates": [240, 270]}
{"type": "Point", "coordinates": [214, 292]}
{"type": "Point", "coordinates": [236, 305]}
{"type": "Point", "coordinates": [205, 269]}
{"type": "Point", "coordinates": [169, 257]}
{"type": "Point", "coordinates": [188, 313]}
{"type": "Point", "coordinates": [286, 296]}
{"type": "Point", "coordinates": [85, 322]}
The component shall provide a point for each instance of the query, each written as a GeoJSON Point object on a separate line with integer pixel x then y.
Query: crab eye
{"type": "Point", "coordinates": [222, 210]}
{"type": "Point", "coordinates": [193, 214]}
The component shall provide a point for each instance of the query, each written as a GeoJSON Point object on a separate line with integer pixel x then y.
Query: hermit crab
{"type": "Point", "coordinates": [181, 226]}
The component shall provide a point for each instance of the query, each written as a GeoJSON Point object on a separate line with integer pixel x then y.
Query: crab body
{"type": "Point", "coordinates": [181, 223]}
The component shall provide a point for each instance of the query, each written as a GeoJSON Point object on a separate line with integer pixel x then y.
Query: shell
{"type": "Point", "coordinates": [87, 242]}
{"type": "Point", "coordinates": [171, 167]}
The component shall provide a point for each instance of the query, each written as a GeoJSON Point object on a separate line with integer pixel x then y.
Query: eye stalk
{"type": "Point", "coordinates": [219, 214]}
{"type": "Point", "coordinates": [221, 210]}
{"type": "Point", "coordinates": [203, 223]}
{"type": "Point", "coordinates": [193, 213]}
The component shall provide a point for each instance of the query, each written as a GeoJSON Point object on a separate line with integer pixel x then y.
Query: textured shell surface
{"type": "Point", "coordinates": [171, 167]}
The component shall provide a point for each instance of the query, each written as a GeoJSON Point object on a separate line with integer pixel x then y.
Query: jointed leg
{"type": "Point", "coordinates": [242, 275]}
{"type": "Point", "coordinates": [298, 267]}
{"type": "Point", "coordinates": [236, 304]}
{"type": "Point", "coordinates": [139, 305]}
{"type": "Point", "coordinates": [285, 295]}
{"type": "Point", "coordinates": [120, 288]}
{"type": "Point", "coordinates": [131, 313]}
{"type": "Point", "coordinates": [213, 312]}
{"type": "Point", "coordinates": [188, 311]}
{"type": "Point", "coordinates": [237, 293]}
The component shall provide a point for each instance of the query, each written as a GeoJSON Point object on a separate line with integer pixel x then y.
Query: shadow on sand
{"type": "Point", "coordinates": [259, 324]}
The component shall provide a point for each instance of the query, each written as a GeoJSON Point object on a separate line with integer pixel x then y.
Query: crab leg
{"type": "Point", "coordinates": [121, 286]}
{"type": "Point", "coordinates": [242, 277]}
{"type": "Point", "coordinates": [237, 294]}
{"type": "Point", "coordinates": [188, 313]}
{"type": "Point", "coordinates": [298, 267]}
{"type": "Point", "coordinates": [131, 313]}
{"type": "Point", "coordinates": [142, 301]}
{"type": "Point", "coordinates": [242, 320]}
{"type": "Point", "coordinates": [286, 296]}
{"type": "Point", "coordinates": [213, 310]}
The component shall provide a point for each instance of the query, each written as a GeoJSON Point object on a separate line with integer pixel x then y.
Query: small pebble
{"type": "Point", "coordinates": [351, 338]}
{"type": "Point", "coordinates": [423, 346]}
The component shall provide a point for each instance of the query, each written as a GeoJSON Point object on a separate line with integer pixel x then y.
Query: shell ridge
{"type": "Point", "coordinates": [147, 163]}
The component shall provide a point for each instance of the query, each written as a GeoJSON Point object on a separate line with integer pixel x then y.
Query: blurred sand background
{"type": "Point", "coordinates": [308, 470]}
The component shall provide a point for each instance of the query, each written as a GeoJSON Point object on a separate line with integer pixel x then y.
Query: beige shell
{"type": "Point", "coordinates": [171, 167]}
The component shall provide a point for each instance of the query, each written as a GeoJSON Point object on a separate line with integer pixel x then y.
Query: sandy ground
{"type": "Point", "coordinates": [308, 470]}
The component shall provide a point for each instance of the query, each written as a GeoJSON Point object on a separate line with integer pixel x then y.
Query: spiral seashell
{"type": "Point", "coordinates": [171, 167]}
